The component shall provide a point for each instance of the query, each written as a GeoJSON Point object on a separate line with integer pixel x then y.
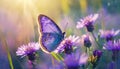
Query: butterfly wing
{"type": "Point", "coordinates": [51, 35]}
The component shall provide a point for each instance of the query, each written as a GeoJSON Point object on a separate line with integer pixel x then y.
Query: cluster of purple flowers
{"type": "Point", "coordinates": [71, 44]}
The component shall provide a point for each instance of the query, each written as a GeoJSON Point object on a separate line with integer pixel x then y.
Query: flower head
{"type": "Point", "coordinates": [97, 53]}
{"type": "Point", "coordinates": [86, 41]}
{"type": "Point", "coordinates": [67, 43]}
{"type": "Point", "coordinates": [28, 50]}
{"type": "Point", "coordinates": [87, 22]}
{"type": "Point", "coordinates": [108, 34]}
{"type": "Point", "coordinates": [95, 58]}
{"type": "Point", "coordinates": [71, 62]}
{"type": "Point", "coordinates": [74, 63]}
{"type": "Point", "coordinates": [112, 45]}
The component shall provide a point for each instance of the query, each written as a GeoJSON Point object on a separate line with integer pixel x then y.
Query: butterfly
{"type": "Point", "coordinates": [50, 34]}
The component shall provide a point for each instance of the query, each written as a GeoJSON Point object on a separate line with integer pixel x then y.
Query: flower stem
{"type": "Point", "coordinates": [95, 39]}
{"type": "Point", "coordinates": [7, 50]}
{"type": "Point", "coordinates": [86, 49]}
{"type": "Point", "coordinates": [9, 58]}
{"type": "Point", "coordinates": [115, 58]}
{"type": "Point", "coordinates": [57, 56]}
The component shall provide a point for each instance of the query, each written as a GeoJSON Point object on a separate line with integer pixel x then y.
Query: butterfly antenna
{"type": "Point", "coordinates": [65, 29]}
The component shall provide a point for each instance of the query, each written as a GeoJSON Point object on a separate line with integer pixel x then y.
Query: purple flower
{"type": "Point", "coordinates": [86, 41]}
{"type": "Point", "coordinates": [108, 34]}
{"type": "Point", "coordinates": [87, 22]}
{"type": "Point", "coordinates": [97, 53]}
{"type": "Point", "coordinates": [112, 45]}
{"type": "Point", "coordinates": [94, 59]}
{"type": "Point", "coordinates": [67, 43]}
{"type": "Point", "coordinates": [73, 62]}
{"type": "Point", "coordinates": [28, 50]}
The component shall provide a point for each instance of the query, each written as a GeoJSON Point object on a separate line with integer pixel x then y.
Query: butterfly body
{"type": "Point", "coordinates": [51, 35]}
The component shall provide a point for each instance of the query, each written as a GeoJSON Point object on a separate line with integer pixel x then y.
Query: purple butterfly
{"type": "Point", "coordinates": [50, 34]}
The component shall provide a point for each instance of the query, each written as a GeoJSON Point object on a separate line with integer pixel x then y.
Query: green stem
{"type": "Point", "coordinates": [10, 60]}
{"type": "Point", "coordinates": [57, 56]}
{"type": "Point", "coordinates": [95, 39]}
{"type": "Point", "coordinates": [89, 51]}
{"type": "Point", "coordinates": [8, 52]}
{"type": "Point", "coordinates": [86, 49]}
